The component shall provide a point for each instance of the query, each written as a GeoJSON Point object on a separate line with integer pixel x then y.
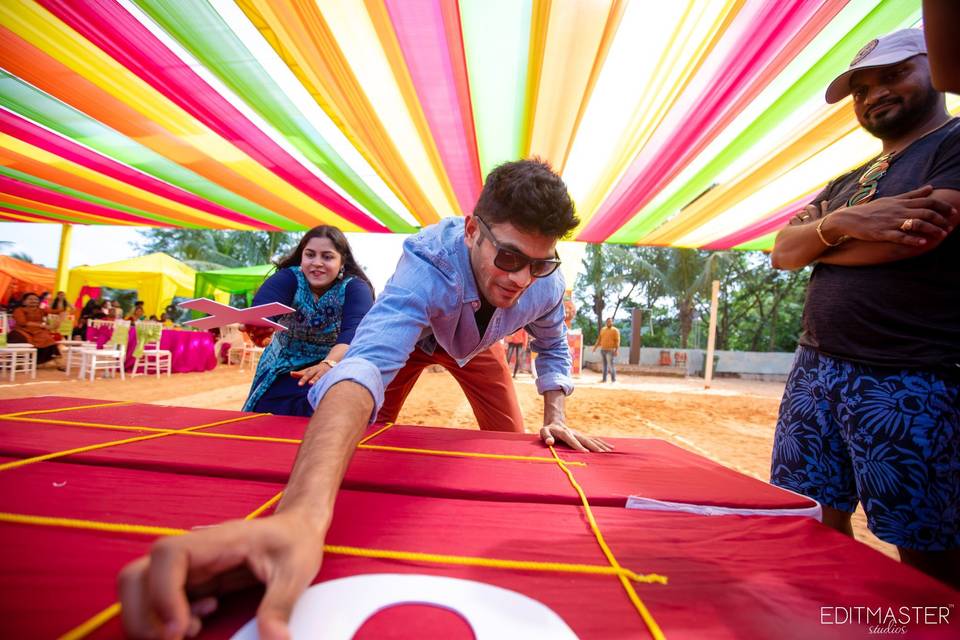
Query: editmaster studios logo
{"type": "Point", "coordinates": [888, 620]}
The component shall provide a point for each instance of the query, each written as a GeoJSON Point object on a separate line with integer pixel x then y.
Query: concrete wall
{"type": "Point", "coordinates": [747, 364]}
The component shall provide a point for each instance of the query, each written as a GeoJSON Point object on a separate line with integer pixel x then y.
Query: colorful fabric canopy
{"type": "Point", "coordinates": [691, 123]}
{"type": "Point", "coordinates": [156, 277]}
{"type": "Point", "coordinates": [242, 280]}
{"type": "Point", "coordinates": [18, 277]}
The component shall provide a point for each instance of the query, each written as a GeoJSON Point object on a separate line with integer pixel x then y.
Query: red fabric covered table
{"type": "Point", "coordinates": [518, 468]}
{"type": "Point", "coordinates": [726, 577]}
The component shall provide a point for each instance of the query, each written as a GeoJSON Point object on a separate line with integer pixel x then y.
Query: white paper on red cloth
{"type": "Point", "coordinates": [223, 314]}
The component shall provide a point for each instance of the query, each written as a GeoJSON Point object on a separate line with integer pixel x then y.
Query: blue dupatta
{"type": "Point", "coordinates": [312, 330]}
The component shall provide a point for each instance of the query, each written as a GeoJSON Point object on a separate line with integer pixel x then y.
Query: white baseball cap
{"type": "Point", "coordinates": [879, 52]}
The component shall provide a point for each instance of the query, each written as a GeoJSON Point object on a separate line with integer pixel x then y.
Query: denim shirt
{"type": "Point", "coordinates": [431, 300]}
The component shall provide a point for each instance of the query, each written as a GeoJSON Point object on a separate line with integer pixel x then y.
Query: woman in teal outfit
{"type": "Point", "coordinates": [331, 294]}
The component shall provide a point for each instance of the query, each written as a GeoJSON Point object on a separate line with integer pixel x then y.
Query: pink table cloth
{"type": "Point", "coordinates": [191, 350]}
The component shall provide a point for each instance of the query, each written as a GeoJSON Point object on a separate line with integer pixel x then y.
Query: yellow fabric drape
{"type": "Point", "coordinates": [157, 278]}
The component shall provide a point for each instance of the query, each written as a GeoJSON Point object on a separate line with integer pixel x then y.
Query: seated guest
{"type": "Point", "coordinates": [89, 311]}
{"type": "Point", "coordinates": [171, 315]}
{"type": "Point", "coordinates": [137, 313]}
{"type": "Point", "coordinates": [31, 327]}
{"type": "Point", "coordinates": [60, 304]}
{"type": "Point", "coordinates": [106, 311]}
{"type": "Point", "coordinates": [331, 294]}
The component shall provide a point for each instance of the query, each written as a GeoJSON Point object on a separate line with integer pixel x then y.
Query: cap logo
{"type": "Point", "coordinates": [865, 51]}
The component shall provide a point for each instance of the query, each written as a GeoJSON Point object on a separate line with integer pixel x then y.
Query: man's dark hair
{"type": "Point", "coordinates": [530, 196]}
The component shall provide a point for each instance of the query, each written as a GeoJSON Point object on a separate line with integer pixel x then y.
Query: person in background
{"type": "Point", "coordinates": [871, 409]}
{"type": "Point", "coordinates": [461, 286]}
{"type": "Point", "coordinates": [609, 342]}
{"type": "Point", "coordinates": [172, 314]}
{"type": "Point", "coordinates": [106, 311]}
{"type": "Point", "coordinates": [31, 327]}
{"type": "Point", "coordinates": [60, 304]}
{"type": "Point", "coordinates": [45, 300]}
{"type": "Point", "coordinates": [137, 313]}
{"type": "Point", "coordinates": [516, 345]}
{"type": "Point", "coordinates": [330, 292]}
{"type": "Point", "coordinates": [90, 311]}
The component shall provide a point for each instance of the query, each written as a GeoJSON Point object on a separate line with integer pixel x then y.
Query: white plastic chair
{"type": "Point", "coordinates": [153, 356]}
{"type": "Point", "coordinates": [109, 359]}
{"type": "Point", "coordinates": [230, 334]}
{"type": "Point", "coordinates": [73, 350]}
{"type": "Point", "coordinates": [15, 357]}
{"type": "Point", "coordinates": [250, 351]}
{"type": "Point", "coordinates": [18, 358]}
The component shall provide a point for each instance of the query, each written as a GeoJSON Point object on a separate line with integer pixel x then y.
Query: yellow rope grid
{"type": "Point", "coordinates": [624, 575]}
{"type": "Point", "coordinates": [113, 443]}
{"type": "Point", "coordinates": [297, 441]}
{"type": "Point", "coordinates": [652, 625]}
{"type": "Point", "coordinates": [362, 552]}
{"type": "Point", "coordinates": [82, 406]}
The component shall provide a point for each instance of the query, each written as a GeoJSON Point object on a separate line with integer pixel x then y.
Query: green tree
{"type": "Point", "coordinates": [760, 308]}
{"type": "Point", "coordinates": [210, 249]}
{"type": "Point", "coordinates": [20, 255]}
{"type": "Point", "coordinates": [614, 276]}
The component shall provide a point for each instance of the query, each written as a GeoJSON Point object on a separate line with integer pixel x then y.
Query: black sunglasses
{"type": "Point", "coordinates": [511, 261]}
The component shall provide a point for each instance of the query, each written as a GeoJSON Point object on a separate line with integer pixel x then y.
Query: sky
{"type": "Point", "coordinates": [378, 253]}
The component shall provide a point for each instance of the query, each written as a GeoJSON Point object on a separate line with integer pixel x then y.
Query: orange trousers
{"type": "Point", "coordinates": [485, 380]}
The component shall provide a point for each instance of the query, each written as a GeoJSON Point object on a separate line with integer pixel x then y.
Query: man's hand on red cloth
{"type": "Point", "coordinates": [550, 433]}
{"type": "Point", "coordinates": [166, 594]}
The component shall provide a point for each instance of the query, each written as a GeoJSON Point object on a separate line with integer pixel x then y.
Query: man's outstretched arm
{"type": "Point", "coordinates": [283, 551]}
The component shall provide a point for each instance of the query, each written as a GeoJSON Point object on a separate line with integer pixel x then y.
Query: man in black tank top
{"type": "Point", "coordinates": [871, 412]}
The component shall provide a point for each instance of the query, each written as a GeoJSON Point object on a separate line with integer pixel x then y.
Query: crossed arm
{"type": "Point", "coordinates": [875, 230]}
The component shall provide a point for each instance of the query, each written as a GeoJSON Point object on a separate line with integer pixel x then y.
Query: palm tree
{"type": "Point", "coordinates": [687, 277]}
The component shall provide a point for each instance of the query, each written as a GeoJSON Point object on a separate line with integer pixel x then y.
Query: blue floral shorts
{"type": "Point", "coordinates": [889, 439]}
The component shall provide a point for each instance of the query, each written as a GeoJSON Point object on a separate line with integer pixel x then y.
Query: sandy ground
{"type": "Point", "coordinates": [732, 423]}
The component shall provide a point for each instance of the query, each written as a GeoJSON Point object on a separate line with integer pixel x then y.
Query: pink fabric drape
{"type": "Point", "coordinates": [47, 196]}
{"type": "Point", "coordinates": [429, 35]}
{"type": "Point", "coordinates": [765, 46]}
{"type": "Point", "coordinates": [18, 127]}
{"type": "Point", "coordinates": [86, 292]}
{"type": "Point", "coordinates": [109, 26]}
{"type": "Point", "coordinates": [772, 223]}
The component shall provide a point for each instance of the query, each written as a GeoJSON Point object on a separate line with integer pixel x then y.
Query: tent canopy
{"type": "Point", "coordinates": [695, 123]}
{"type": "Point", "coordinates": [242, 280]}
{"type": "Point", "coordinates": [18, 277]}
{"type": "Point", "coordinates": [157, 278]}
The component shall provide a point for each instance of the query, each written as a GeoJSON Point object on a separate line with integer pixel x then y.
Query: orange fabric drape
{"type": "Point", "coordinates": [19, 277]}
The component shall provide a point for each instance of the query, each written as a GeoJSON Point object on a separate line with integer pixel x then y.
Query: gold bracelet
{"type": "Point", "coordinates": [329, 362]}
{"type": "Point", "coordinates": [839, 241]}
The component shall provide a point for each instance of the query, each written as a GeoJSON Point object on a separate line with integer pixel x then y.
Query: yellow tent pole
{"type": "Point", "coordinates": [63, 268]}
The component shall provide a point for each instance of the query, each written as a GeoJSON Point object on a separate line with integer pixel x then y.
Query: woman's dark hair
{"type": "Point", "coordinates": [340, 243]}
{"type": "Point", "coordinates": [529, 195]}
{"type": "Point", "coordinates": [59, 302]}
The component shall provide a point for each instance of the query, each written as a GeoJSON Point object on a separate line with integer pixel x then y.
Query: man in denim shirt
{"type": "Point", "coordinates": [449, 303]}
{"type": "Point", "coordinates": [460, 287]}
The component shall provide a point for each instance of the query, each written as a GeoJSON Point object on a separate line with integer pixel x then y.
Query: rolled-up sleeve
{"type": "Point", "coordinates": [549, 341]}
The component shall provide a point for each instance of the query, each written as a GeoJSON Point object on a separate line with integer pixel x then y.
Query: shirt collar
{"type": "Point", "coordinates": [461, 254]}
